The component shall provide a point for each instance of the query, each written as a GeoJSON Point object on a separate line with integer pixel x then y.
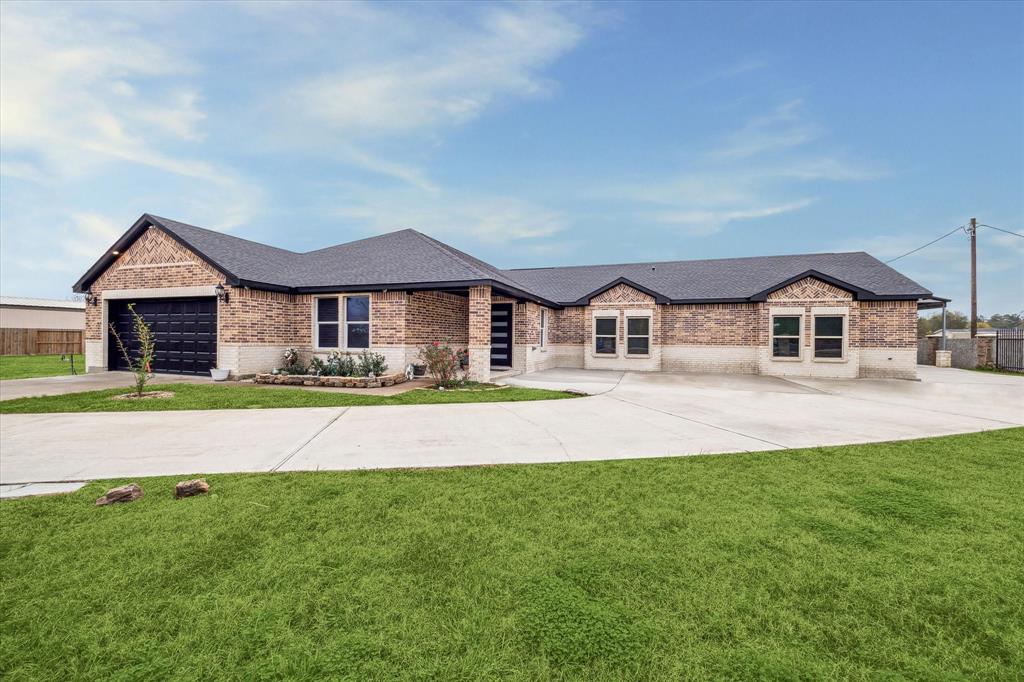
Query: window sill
{"type": "Point", "coordinates": [635, 356]}
{"type": "Point", "coordinates": [831, 360]}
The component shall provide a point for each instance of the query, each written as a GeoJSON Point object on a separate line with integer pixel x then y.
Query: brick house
{"type": "Point", "coordinates": [217, 300]}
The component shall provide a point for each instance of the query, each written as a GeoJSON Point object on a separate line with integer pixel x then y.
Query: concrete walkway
{"type": "Point", "coordinates": [636, 415]}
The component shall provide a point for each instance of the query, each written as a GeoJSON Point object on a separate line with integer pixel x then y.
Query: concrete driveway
{"type": "Point", "coordinates": [634, 415]}
{"type": "Point", "coordinates": [27, 388]}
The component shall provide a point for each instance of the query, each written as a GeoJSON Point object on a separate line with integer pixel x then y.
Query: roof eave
{"type": "Point", "coordinates": [414, 286]}
{"type": "Point", "coordinates": [127, 239]}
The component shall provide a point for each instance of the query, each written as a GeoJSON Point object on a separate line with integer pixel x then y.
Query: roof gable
{"type": "Point", "coordinates": [623, 291]}
{"type": "Point", "coordinates": [811, 288]}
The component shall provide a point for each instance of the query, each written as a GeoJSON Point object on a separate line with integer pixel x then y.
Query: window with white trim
{"type": "Point", "coordinates": [785, 336]}
{"type": "Point", "coordinates": [828, 336]}
{"type": "Point", "coordinates": [357, 322]}
{"type": "Point", "coordinates": [343, 322]}
{"type": "Point", "coordinates": [327, 322]}
{"type": "Point", "coordinates": [606, 332]}
{"type": "Point", "coordinates": [638, 336]}
{"type": "Point", "coordinates": [543, 327]}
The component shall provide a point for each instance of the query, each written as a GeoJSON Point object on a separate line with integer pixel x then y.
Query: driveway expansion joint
{"type": "Point", "coordinates": [302, 446]}
{"type": "Point", "coordinates": [697, 421]}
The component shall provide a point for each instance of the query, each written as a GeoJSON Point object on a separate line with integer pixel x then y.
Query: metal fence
{"type": "Point", "coordinates": [1010, 349]}
{"type": "Point", "coordinates": [40, 341]}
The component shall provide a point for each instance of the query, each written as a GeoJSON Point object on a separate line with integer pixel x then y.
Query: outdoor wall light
{"type": "Point", "coordinates": [91, 298]}
{"type": "Point", "coordinates": [222, 293]}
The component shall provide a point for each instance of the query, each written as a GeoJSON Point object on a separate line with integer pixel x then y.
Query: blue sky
{"type": "Point", "coordinates": [526, 134]}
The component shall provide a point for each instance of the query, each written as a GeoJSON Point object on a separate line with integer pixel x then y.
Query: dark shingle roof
{"type": "Point", "coordinates": [408, 257]}
{"type": "Point", "coordinates": [726, 279]}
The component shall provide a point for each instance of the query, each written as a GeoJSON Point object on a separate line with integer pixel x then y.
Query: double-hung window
{"type": "Point", "coordinates": [343, 322]}
{"type": "Point", "coordinates": [828, 336]}
{"type": "Point", "coordinates": [543, 327]}
{"type": "Point", "coordinates": [357, 322]}
{"type": "Point", "coordinates": [327, 322]}
{"type": "Point", "coordinates": [606, 331]}
{"type": "Point", "coordinates": [638, 335]}
{"type": "Point", "coordinates": [785, 336]}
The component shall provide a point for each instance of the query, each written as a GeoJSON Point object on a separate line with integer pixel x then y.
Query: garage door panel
{"type": "Point", "coordinates": [185, 333]}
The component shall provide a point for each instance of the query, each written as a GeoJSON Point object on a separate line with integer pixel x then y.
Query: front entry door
{"type": "Point", "coordinates": [501, 335]}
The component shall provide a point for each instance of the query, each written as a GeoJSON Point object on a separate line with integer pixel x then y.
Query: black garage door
{"type": "Point", "coordinates": [185, 330]}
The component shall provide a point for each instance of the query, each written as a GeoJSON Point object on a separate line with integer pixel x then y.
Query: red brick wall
{"type": "Point", "coordinates": [710, 324]}
{"type": "Point", "coordinates": [388, 311]}
{"type": "Point", "coordinates": [436, 316]}
{"type": "Point", "coordinates": [885, 324]}
{"type": "Point", "coordinates": [255, 316]}
{"type": "Point", "coordinates": [568, 325]}
{"type": "Point", "coordinates": [479, 316]}
{"type": "Point", "coordinates": [154, 260]}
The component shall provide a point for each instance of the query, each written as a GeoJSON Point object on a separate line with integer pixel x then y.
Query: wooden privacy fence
{"type": "Point", "coordinates": [41, 341]}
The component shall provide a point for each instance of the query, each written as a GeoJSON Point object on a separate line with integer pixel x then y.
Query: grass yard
{"type": "Point", "coordinates": [29, 366]}
{"type": "Point", "coordinates": [249, 396]}
{"type": "Point", "coordinates": [887, 561]}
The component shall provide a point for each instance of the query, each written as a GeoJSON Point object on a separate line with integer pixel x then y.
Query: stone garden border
{"type": "Point", "coordinates": [332, 382]}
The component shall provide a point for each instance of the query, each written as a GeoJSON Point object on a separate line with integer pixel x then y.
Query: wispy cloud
{"type": "Point", "coordinates": [480, 218]}
{"type": "Point", "coordinates": [782, 128]}
{"type": "Point", "coordinates": [759, 170]}
{"type": "Point", "coordinates": [85, 92]}
{"type": "Point", "coordinates": [704, 221]}
{"type": "Point", "coordinates": [448, 78]}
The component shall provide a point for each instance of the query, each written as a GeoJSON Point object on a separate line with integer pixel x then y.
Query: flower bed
{"type": "Point", "coordinates": [334, 382]}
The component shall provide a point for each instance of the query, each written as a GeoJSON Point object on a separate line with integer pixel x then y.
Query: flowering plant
{"type": "Point", "coordinates": [292, 362]}
{"type": "Point", "coordinates": [445, 363]}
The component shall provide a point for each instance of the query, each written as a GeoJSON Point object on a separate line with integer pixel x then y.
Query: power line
{"type": "Point", "coordinates": [955, 229]}
{"type": "Point", "coordinates": [1015, 234]}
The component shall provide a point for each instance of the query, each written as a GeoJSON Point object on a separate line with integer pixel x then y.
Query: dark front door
{"type": "Point", "coordinates": [501, 335]}
{"type": "Point", "coordinates": [185, 331]}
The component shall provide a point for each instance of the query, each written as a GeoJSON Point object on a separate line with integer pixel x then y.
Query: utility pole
{"type": "Point", "coordinates": [973, 232]}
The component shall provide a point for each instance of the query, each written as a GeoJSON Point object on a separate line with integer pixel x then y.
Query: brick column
{"type": "Point", "coordinates": [479, 333]}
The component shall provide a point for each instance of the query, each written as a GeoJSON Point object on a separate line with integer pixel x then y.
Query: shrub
{"type": "Point", "coordinates": [293, 362]}
{"type": "Point", "coordinates": [319, 367]}
{"type": "Point", "coordinates": [142, 364]}
{"type": "Point", "coordinates": [444, 362]}
{"type": "Point", "coordinates": [371, 363]}
{"type": "Point", "coordinates": [340, 364]}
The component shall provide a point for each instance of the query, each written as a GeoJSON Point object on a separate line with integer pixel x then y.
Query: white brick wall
{"type": "Point", "coordinates": [807, 366]}
{"type": "Point", "coordinates": [728, 359]}
{"type": "Point", "coordinates": [888, 363]}
{"type": "Point", "coordinates": [95, 356]}
{"type": "Point", "coordinates": [253, 358]}
{"type": "Point", "coordinates": [620, 361]}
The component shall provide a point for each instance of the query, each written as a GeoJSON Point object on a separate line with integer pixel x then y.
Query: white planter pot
{"type": "Point", "coordinates": [219, 374]}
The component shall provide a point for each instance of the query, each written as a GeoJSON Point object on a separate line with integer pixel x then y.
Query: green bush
{"type": "Point", "coordinates": [371, 363]}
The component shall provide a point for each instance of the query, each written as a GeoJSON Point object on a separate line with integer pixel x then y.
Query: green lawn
{"type": "Point", "coordinates": [224, 397]}
{"type": "Point", "coordinates": [888, 561]}
{"type": "Point", "coordinates": [28, 366]}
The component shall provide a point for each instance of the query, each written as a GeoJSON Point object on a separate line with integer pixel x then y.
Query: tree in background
{"type": "Point", "coordinates": [957, 320]}
{"type": "Point", "coordinates": [1006, 320]}
{"type": "Point", "coordinates": [933, 323]}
